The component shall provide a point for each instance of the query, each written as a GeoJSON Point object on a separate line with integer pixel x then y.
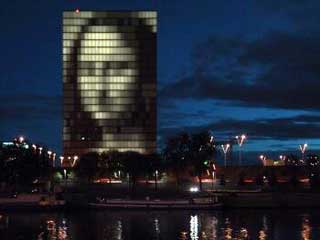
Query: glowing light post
{"type": "Point", "coordinates": [225, 148]}
{"type": "Point", "coordinates": [213, 174]}
{"type": "Point", "coordinates": [49, 154]}
{"type": "Point", "coordinates": [240, 141]}
{"type": "Point", "coordinates": [156, 179]}
{"type": "Point", "coordinates": [282, 157]}
{"type": "Point", "coordinates": [40, 150]}
{"type": "Point", "coordinates": [263, 159]}
{"type": "Point", "coordinates": [54, 159]}
{"type": "Point", "coordinates": [303, 148]}
{"type": "Point", "coordinates": [65, 176]}
{"type": "Point", "coordinates": [34, 147]}
{"type": "Point", "coordinates": [75, 158]}
{"type": "Point", "coordinates": [21, 139]}
{"type": "Point", "coordinates": [61, 160]}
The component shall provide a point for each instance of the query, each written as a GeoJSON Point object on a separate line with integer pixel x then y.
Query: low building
{"type": "Point", "coordinates": [273, 163]}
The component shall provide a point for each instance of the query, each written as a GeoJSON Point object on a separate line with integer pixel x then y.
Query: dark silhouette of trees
{"type": "Point", "coordinates": [201, 150]}
{"type": "Point", "coordinates": [21, 165]}
{"type": "Point", "coordinates": [133, 164]}
{"type": "Point", "coordinates": [87, 166]}
{"type": "Point", "coordinates": [313, 167]}
{"type": "Point", "coordinates": [154, 167]}
{"type": "Point", "coordinates": [110, 163]}
{"type": "Point", "coordinates": [196, 151]}
{"type": "Point", "coordinates": [176, 154]}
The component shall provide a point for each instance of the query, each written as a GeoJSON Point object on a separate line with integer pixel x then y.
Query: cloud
{"type": "Point", "coordinates": [291, 128]}
{"type": "Point", "coordinates": [280, 70]}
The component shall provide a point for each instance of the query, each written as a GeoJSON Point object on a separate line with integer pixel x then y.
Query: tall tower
{"type": "Point", "coordinates": [109, 81]}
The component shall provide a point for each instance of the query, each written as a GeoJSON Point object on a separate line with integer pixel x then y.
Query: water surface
{"type": "Point", "coordinates": [120, 225]}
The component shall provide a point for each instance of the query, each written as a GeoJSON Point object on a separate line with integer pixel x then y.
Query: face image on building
{"type": "Point", "coordinates": [109, 81]}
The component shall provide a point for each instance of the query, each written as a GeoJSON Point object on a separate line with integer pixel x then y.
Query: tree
{"type": "Point", "coordinates": [110, 162]}
{"type": "Point", "coordinates": [201, 151]}
{"type": "Point", "coordinates": [21, 165]}
{"type": "Point", "coordinates": [154, 166]}
{"type": "Point", "coordinates": [176, 153]}
{"type": "Point", "coordinates": [133, 163]}
{"type": "Point", "coordinates": [87, 166]}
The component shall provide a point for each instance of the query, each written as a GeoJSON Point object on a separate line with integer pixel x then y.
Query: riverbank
{"type": "Point", "coordinates": [157, 204]}
{"type": "Point", "coordinates": [270, 200]}
{"type": "Point", "coordinates": [205, 201]}
{"type": "Point", "coordinates": [31, 201]}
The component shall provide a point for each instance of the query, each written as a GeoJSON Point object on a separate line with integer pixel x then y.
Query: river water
{"type": "Point", "coordinates": [139, 225]}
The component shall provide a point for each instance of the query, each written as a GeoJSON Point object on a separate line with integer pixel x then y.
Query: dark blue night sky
{"type": "Point", "coordinates": [229, 66]}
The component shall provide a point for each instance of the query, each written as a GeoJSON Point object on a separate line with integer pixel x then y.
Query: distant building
{"type": "Point", "coordinates": [109, 81]}
{"type": "Point", "coordinates": [273, 163]}
{"type": "Point", "coordinates": [313, 160]}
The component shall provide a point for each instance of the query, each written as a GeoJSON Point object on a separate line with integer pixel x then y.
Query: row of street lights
{"type": "Point", "coordinates": [302, 147]}
{"type": "Point", "coordinates": [226, 147]}
{"type": "Point", "coordinates": [51, 154]}
{"type": "Point", "coordinates": [73, 158]}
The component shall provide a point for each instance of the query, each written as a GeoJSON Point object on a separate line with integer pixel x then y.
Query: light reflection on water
{"type": "Point", "coordinates": [54, 229]}
{"type": "Point", "coordinates": [306, 229]}
{"type": "Point", "coordinates": [181, 225]}
{"type": "Point", "coordinates": [194, 227]}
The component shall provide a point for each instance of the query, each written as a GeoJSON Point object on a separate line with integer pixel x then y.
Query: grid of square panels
{"type": "Point", "coordinates": [109, 81]}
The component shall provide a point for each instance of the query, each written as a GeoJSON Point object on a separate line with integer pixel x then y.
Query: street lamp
{"type": "Point", "coordinates": [213, 174]}
{"type": "Point", "coordinates": [156, 179]}
{"type": "Point", "coordinates": [240, 141]}
{"type": "Point", "coordinates": [49, 154]}
{"type": "Point", "coordinates": [54, 159]}
{"type": "Point", "coordinates": [61, 160]}
{"type": "Point", "coordinates": [21, 139]}
{"type": "Point", "coordinates": [263, 159]}
{"type": "Point", "coordinates": [75, 158]}
{"type": "Point", "coordinates": [303, 148]}
{"type": "Point", "coordinates": [225, 148]}
{"type": "Point", "coordinates": [65, 176]}
{"type": "Point", "coordinates": [40, 150]}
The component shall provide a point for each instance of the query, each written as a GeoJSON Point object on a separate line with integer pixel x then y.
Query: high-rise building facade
{"type": "Point", "coordinates": [109, 81]}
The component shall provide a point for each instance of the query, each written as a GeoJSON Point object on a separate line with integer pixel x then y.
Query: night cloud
{"type": "Point", "coordinates": [280, 70]}
{"type": "Point", "coordinates": [298, 127]}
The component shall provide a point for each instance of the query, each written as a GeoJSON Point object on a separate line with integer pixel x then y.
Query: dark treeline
{"type": "Point", "coordinates": [183, 153]}
{"type": "Point", "coordinates": [128, 165]}
{"type": "Point", "coordinates": [184, 157]}
{"type": "Point", "coordinates": [23, 165]}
